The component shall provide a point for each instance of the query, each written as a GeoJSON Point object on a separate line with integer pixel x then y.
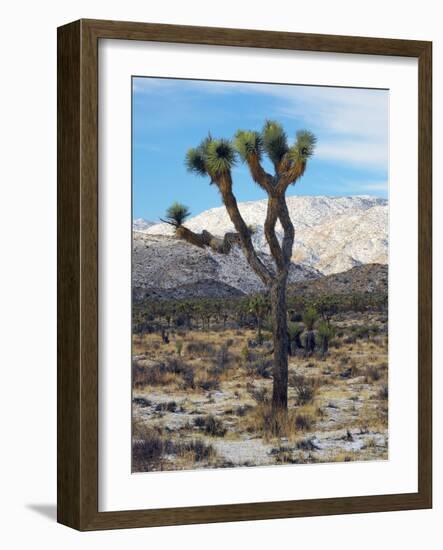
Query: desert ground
{"type": "Point", "coordinates": [201, 396]}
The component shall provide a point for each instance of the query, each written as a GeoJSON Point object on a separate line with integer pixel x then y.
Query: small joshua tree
{"type": "Point", "coordinates": [325, 332]}
{"type": "Point", "coordinates": [294, 332]}
{"type": "Point", "coordinates": [215, 158]}
{"type": "Point", "coordinates": [176, 214]}
{"type": "Point", "coordinates": [259, 308]}
{"type": "Point", "coordinates": [310, 316]}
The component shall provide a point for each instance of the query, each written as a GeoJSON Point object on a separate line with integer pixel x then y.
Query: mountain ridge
{"type": "Point", "coordinates": [332, 234]}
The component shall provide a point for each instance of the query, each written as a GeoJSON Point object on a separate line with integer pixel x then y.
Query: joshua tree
{"type": "Point", "coordinates": [259, 308]}
{"type": "Point", "coordinates": [325, 332]}
{"type": "Point", "coordinates": [310, 316]}
{"type": "Point", "coordinates": [176, 214]}
{"type": "Point", "coordinates": [294, 332]}
{"type": "Point", "coordinates": [215, 158]}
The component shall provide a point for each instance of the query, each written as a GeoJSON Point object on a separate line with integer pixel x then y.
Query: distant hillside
{"type": "Point", "coordinates": [359, 279]}
{"type": "Point", "coordinates": [169, 268]}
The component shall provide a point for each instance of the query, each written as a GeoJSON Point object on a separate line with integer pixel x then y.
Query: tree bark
{"type": "Point", "coordinates": [280, 338]}
{"type": "Point", "coordinates": [259, 334]}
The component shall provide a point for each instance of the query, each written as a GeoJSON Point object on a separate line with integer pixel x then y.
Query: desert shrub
{"type": "Point", "coordinates": [325, 333]}
{"type": "Point", "coordinates": [152, 375]}
{"type": "Point", "coordinates": [306, 445]}
{"type": "Point", "coordinates": [261, 367]}
{"type": "Point", "coordinates": [371, 373]}
{"type": "Point", "coordinates": [245, 354]}
{"type": "Point", "coordinates": [179, 346]}
{"type": "Point", "coordinates": [222, 360]}
{"type": "Point", "coordinates": [208, 384]}
{"type": "Point", "coordinates": [141, 401]}
{"type": "Point", "coordinates": [294, 332]}
{"type": "Point", "coordinates": [148, 448]}
{"type": "Point", "coordinates": [305, 388]}
{"type": "Point", "coordinates": [189, 378]}
{"type": "Point", "coordinates": [158, 373]}
{"type": "Point", "coordinates": [210, 425]}
{"type": "Point", "coordinates": [148, 453]}
{"type": "Point", "coordinates": [200, 450]}
{"type": "Point", "coordinates": [296, 317]}
{"type": "Point", "coordinates": [200, 348]}
{"type": "Point", "coordinates": [365, 331]}
{"type": "Point", "coordinates": [242, 410]}
{"type": "Point", "coordinates": [260, 395]}
{"type": "Point", "coordinates": [169, 406]}
{"type": "Point", "coordinates": [303, 422]}
{"type": "Point", "coordinates": [309, 318]}
{"type": "Point", "coordinates": [383, 392]}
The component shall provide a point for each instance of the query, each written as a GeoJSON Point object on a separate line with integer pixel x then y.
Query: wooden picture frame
{"type": "Point", "coordinates": [78, 274]}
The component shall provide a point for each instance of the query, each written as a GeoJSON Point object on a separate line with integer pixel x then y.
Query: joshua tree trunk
{"type": "Point", "coordinates": [280, 338]}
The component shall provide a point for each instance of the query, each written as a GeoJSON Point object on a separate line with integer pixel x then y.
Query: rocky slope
{"type": "Point", "coordinates": [359, 279]}
{"type": "Point", "coordinates": [168, 268]}
{"type": "Point", "coordinates": [333, 235]}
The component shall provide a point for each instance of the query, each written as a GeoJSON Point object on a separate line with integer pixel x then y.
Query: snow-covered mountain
{"type": "Point", "coordinates": [140, 224]}
{"type": "Point", "coordinates": [332, 234]}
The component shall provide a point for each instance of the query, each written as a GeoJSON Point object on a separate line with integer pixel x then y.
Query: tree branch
{"type": "Point", "coordinates": [258, 174]}
{"type": "Point", "coordinates": [290, 175]}
{"type": "Point", "coordinates": [272, 215]}
{"type": "Point", "coordinates": [224, 184]}
{"type": "Point", "coordinates": [288, 229]}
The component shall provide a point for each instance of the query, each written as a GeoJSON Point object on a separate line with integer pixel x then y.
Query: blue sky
{"type": "Point", "coordinates": [170, 116]}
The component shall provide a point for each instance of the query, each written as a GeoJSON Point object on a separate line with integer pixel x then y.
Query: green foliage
{"type": "Point", "coordinates": [258, 306]}
{"type": "Point", "coordinates": [327, 306]}
{"type": "Point", "coordinates": [294, 330]}
{"type": "Point", "coordinates": [195, 161]}
{"type": "Point", "coordinates": [216, 157]}
{"type": "Point", "coordinates": [325, 331]}
{"type": "Point", "coordinates": [248, 143]}
{"type": "Point", "coordinates": [304, 146]}
{"type": "Point", "coordinates": [220, 157]}
{"type": "Point", "coordinates": [275, 141]}
{"type": "Point", "coordinates": [179, 346]}
{"type": "Point", "coordinates": [310, 316]}
{"type": "Point", "coordinates": [177, 213]}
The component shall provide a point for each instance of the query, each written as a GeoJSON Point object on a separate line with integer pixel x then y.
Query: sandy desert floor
{"type": "Point", "coordinates": [202, 400]}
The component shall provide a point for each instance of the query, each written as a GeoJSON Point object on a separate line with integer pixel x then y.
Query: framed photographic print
{"type": "Point", "coordinates": [244, 275]}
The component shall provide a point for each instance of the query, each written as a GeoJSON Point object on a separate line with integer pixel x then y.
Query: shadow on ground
{"type": "Point", "coordinates": [48, 511]}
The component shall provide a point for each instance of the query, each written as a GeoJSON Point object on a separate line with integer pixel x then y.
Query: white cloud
{"type": "Point", "coordinates": [352, 124]}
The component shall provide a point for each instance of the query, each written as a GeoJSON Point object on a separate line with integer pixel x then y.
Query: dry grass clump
{"type": "Point", "coordinates": [152, 452]}
{"type": "Point", "coordinates": [371, 374]}
{"type": "Point", "coordinates": [162, 373]}
{"type": "Point", "coordinates": [200, 348]}
{"type": "Point", "coordinates": [210, 425]}
{"type": "Point", "coordinates": [305, 388]}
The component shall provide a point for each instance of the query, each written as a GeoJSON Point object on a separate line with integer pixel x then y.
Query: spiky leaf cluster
{"type": "Point", "coordinates": [304, 146]}
{"type": "Point", "coordinates": [195, 161]}
{"type": "Point", "coordinates": [213, 157]}
{"type": "Point", "coordinates": [220, 157]}
{"type": "Point", "coordinates": [177, 213]}
{"type": "Point", "coordinates": [275, 141]}
{"type": "Point", "coordinates": [248, 143]}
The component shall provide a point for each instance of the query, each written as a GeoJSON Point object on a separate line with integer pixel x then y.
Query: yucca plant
{"type": "Point", "coordinates": [310, 316]}
{"type": "Point", "coordinates": [325, 332]}
{"type": "Point", "coordinates": [294, 333]}
{"type": "Point", "coordinates": [258, 306]}
{"type": "Point", "coordinates": [215, 159]}
{"type": "Point", "coordinates": [176, 214]}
